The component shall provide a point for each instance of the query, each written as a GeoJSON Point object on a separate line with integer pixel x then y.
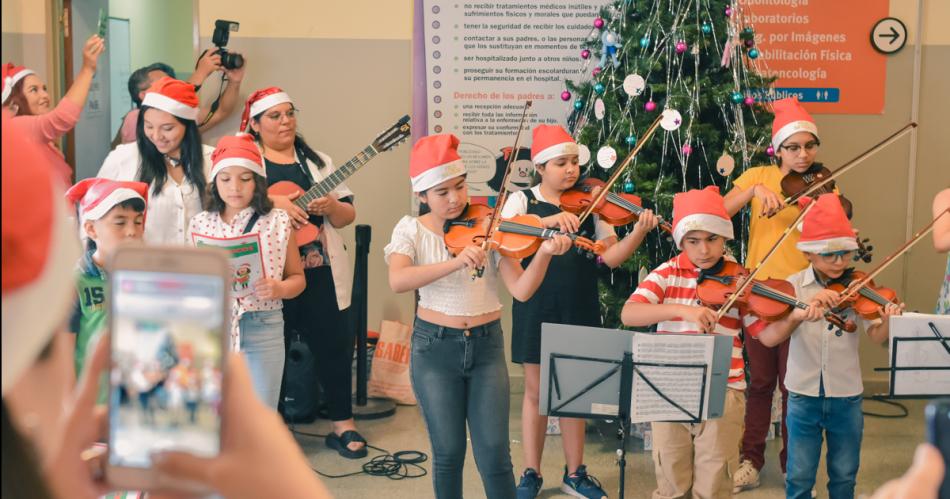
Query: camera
{"type": "Point", "coordinates": [222, 32]}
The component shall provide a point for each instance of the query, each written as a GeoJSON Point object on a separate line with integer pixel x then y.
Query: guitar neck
{"type": "Point", "coordinates": [325, 186]}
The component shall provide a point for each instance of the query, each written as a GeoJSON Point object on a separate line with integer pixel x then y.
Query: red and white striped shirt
{"type": "Point", "coordinates": [674, 283]}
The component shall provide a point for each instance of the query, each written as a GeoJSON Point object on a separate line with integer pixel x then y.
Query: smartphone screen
{"type": "Point", "coordinates": [166, 377]}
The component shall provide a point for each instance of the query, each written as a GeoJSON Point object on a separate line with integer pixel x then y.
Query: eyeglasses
{"type": "Point", "coordinates": [796, 148]}
{"type": "Point", "coordinates": [833, 256]}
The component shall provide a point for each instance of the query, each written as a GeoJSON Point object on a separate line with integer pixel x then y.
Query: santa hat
{"type": "Point", "coordinates": [700, 209]}
{"type": "Point", "coordinates": [549, 142]}
{"type": "Point", "coordinates": [825, 227]}
{"type": "Point", "coordinates": [790, 118]}
{"type": "Point", "coordinates": [237, 150]}
{"type": "Point", "coordinates": [96, 196]}
{"type": "Point", "coordinates": [11, 75]}
{"type": "Point", "coordinates": [39, 254]}
{"type": "Point", "coordinates": [434, 160]}
{"type": "Point", "coordinates": [261, 101]}
{"type": "Point", "coordinates": [173, 96]}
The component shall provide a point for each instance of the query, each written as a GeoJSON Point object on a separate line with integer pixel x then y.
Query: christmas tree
{"type": "Point", "coordinates": [693, 56]}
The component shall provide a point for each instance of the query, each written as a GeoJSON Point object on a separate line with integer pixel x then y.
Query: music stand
{"type": "Point", "coordinates": [919, 347]}
{"type": "Point", "coordinates": [602, 373]}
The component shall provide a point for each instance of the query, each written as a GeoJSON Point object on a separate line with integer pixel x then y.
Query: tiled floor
{"type": "Point", "coordinates": [887, 451]}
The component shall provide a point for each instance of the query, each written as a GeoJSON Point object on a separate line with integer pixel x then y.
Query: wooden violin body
{"type": "Point", "coordinates": [615, 208]}
{"type": "Point", "coordinates": [515, 237]}
{"type": "Point", "coordinates": [794, 183]}
{"type": "Point", "coordinates": [870, 298]}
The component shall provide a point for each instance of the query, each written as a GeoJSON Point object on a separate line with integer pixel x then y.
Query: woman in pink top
{"type": "Point", "coordinates": [25, 95]}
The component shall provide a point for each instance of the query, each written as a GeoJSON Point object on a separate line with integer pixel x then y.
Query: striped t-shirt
{"type": "Point", "coordinates": [674, 283]}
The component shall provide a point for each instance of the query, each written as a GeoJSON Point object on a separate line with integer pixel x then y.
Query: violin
{"type": "Point", "coordinates": [869, 299]}
{"type": "Point", "coordinates": [516, 237]}
{"type": "Point", "coordinates": [770, 299]}
{"type": "Point", "coordinates": [615, 208]}
{"type": "Point", "coordinates": [795, 183]}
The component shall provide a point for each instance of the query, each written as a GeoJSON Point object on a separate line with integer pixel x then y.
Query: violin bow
{"type": "Point", "coordinates": [502, 191]}
{"type": "Point", "coordinates": [856, 286]}
{"type": "Point", "coordinates": [749, 278]}
{"type": "Point", "coordinates": [850, 164]}
{"type": "Point", "coordinates": [616, 174]}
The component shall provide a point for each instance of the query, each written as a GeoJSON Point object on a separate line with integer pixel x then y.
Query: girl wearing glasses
{"type": "Point", "coordinates": [795, 140]}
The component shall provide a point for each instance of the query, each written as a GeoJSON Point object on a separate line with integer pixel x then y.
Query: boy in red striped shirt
{"type": "Point", "coordinates": [698, 458]}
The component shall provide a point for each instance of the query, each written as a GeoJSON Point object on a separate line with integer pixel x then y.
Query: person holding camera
{"type": "Point", "coordinates": [231, 64]}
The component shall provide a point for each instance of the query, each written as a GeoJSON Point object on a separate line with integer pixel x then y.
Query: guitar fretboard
{"type": "Point", "coordinates": [325, 186]}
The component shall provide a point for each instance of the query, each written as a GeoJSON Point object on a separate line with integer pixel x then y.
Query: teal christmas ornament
{"type": "Point", "coordinates": [578, 104]}
{"type": "Point", "coordinates": [737, 97]}
{"type": "Point", "coordinates": [707, 28]}
{"type": "Point", "coordinates": [628, 186]}
{"type": "Point", "coordinates": [631, 140]}
{"type": "Point", "coordinates": [754, 54]}
{"type": "Point", "coordinates": [599, 88]}
{"type": "Point", "coordinates": [645, 42]}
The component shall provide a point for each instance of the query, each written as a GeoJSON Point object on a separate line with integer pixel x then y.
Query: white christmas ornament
{"type": "Point", "coordinates": [606, 157]}
{"type": "Point", "coordinates": [634, 85]}
{"type": "Point", "coordinates": [672, 119]}
{"type": "Point", "coordinates": [599, 109]}
{"type": "Point", "coordinates": [583, 154]}
{"type": "Point", "coordinates": [725, 164]}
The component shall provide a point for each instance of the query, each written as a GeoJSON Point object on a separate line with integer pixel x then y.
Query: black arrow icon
{"type": "Point", "coordinates": [893, 35]}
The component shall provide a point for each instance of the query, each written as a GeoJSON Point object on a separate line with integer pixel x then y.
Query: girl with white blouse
{"type": "Point", "coordinates": [236, 206]}
{"type": "Point", "coordinates": [458, 364]}
{"type": "Point", "coordinates": [169, 156]}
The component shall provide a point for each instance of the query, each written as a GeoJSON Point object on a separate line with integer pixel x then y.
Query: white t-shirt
{"type": "Point", "coordinates": [456, 294]}
{"type": "Point", "coordinates": [517, 204]}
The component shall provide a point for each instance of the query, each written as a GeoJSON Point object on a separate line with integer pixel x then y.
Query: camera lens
{"type": "Point", "coordinates": [232, 61]}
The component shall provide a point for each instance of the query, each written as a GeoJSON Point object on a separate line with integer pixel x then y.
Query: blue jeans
{"type": "Point", "coordinates": [461, 375]}
{"type": "Point", "coordinates": [262, 343]}
{"type": "Point", "coordinates": [838, 419]}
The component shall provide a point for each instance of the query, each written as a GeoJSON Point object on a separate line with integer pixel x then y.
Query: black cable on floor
{"type": "Point", "coordinates": [884, 399]}
{"type": "Point", "coordinates": [401, 465]}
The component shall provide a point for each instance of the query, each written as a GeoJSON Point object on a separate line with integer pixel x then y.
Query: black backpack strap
{"type": "Point", "coordinates": [251, 222]}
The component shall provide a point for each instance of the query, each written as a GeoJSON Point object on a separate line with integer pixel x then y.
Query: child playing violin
{"type": "Point", "coordinates": [567, 295]}
{"type": "Point", "coordinates": [458, 364]}
{"type": "Point", "coordinates": [795, 140]}
{"type": "Point", "coordinates": [824, 373]}
{"type": "Point", "coordinates": [695, 457]}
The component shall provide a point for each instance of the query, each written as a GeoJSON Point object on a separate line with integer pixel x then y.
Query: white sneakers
{"type": "Point", "coordinates": [746, 477]}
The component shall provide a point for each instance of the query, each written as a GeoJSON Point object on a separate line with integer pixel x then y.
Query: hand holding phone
{"type": "Point", "coordinates": [103, 23]}
{"type": "Point", "coordinates": [168, 310]}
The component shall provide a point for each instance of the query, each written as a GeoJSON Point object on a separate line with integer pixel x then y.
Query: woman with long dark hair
{"type": "Point", "coordinates": [169, 156]}
{"type": "Point", "coordinates": [319, 314]}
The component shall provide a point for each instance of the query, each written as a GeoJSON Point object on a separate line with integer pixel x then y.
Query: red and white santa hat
{"type": "Point", "coordinates": [434, 160]}
{"type": "Point", "coordinates": [700, 209]}
{"type": "Point", "coordinates": [549, 142]}
{"type": "Point", "coordinates": [237, 150]}
{"type": "Point", "coordinates": [790, 118]}
{"type": "Point", "coordinates": [11, 75]}
{"type": "Point", "coordinates": [174, 97]}
{"type": "Point", "coordinates": [39, 253]}
{"type": "Point", "coordinates": [826, 227]}
{"type": "Point", "coordinates": [261, 101]}
{"type": "Point", "coordinates": [96, 196]}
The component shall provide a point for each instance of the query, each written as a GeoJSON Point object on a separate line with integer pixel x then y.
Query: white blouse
{"type": "Point", "coordinates": [456, 294]}
{"type": "Point", "coordinates": [274, 232]}
{"type": "Point", "coordinates": [168, 212]}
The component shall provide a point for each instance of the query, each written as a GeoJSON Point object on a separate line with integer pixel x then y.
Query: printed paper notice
{"type": "Point", "coordinates": [688, 387]}
{"type": "Point", "coordinates": [247, 263]}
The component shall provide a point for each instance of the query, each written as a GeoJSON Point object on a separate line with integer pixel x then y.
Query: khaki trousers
{"type": "Point", "coordinates": [698, 460]}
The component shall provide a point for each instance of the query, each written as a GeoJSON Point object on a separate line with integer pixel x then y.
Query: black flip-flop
{"type": "Point", "coordinates": [340, 444]}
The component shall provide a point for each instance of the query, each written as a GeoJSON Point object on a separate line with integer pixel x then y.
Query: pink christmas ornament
{"type": "Point", "coordinates": [585, 54]}
{"type": "Point", "coordinates": [565, 96]}
{"type": "Point", "coordinates": [650, 106]}
{"type": "Point", "coordinates": [596, 71]}
{"type": "Point", "coordinates": [749, 100]}
{"type": "Point", "coordinates": [770, 151]}
{"type": "Point", "coordinates": [728, 11]}
{"type": "Point", "coordinates": [687, 150]}
{"type": "Point", "coordinates": [681, 47]}
{"type": "Point", "coordinates": [598, 23]}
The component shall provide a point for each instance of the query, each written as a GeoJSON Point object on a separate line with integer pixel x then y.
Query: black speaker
{"type": "Point", "coordinates": [301, 395]}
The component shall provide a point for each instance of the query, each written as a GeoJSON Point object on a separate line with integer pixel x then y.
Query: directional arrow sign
{"type": "Point", "coordinates": [888, 35]}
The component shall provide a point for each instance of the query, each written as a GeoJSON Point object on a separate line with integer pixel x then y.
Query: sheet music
{"type": "Point", "coordinates": [684, 386]}
{"type": "Point", "coordinates": [920, 354]}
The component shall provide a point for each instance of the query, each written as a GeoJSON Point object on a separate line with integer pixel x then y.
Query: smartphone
{"type": "Point", "coordinates": [103, 23]}
{"type": "Point", "coordinates": [168, 315]}
{"type": "Point", "coordinates": [938, 434]}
